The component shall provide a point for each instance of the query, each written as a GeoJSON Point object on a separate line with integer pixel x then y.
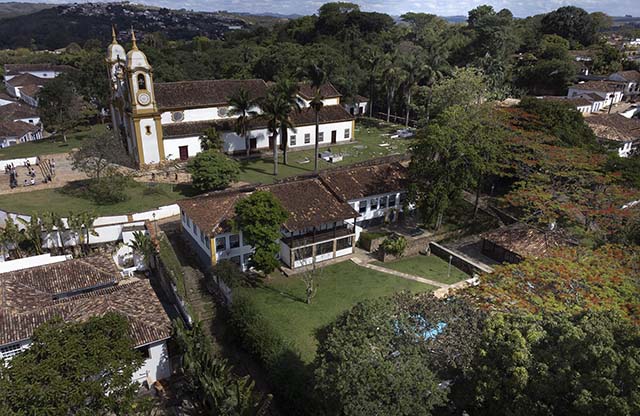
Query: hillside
{"type": "Point", "coordinates": [57, 27]}
{"type": "Point", "coordinates": [14, 9]}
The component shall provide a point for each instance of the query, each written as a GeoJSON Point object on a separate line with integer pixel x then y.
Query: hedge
{"type": "Point", "coordinates": [172, 265]}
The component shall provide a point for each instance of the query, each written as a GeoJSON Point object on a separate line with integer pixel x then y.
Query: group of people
{"type": "Point", "coordinates": [47, 168]}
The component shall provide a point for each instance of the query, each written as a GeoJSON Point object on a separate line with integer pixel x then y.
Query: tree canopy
{"type": "Point", "coordinates": [74, 368]}
{"type": "Point", "coordinates": [212, 170]}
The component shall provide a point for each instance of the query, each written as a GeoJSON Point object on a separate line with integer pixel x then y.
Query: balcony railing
{"type": "Point", "coordinates": [318, 236]}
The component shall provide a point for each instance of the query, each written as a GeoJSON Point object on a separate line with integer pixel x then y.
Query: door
{"type": "Point", "coordinates": [184, 152]}
{"type": "Point", "coordinates": [334, 137]}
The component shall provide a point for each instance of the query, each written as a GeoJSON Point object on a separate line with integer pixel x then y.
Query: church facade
{"type": "Point", "coordinates": [164, 121]}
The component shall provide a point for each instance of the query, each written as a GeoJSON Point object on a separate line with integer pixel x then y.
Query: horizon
{"type": "Point", "coordinates": [519, 8]}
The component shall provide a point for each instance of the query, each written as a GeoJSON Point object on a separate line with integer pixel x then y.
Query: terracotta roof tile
{"type": "Point", "coordinates": [615, 127]}
{"type": "Point", "coordinates": [351, 183]}
{"type": "Point", "coordinates": [327, 90]}
{"type": "Point", "coordinates": [11, 69]}
{"type": "Point", "coordinates": [208, 93]}
{"type": "Point", "coordinates": [15, 111]}
{"type": "Point", "coordinates": [309, 203]}
{"type": "Point", "coordinates": [28, 299]}
{"type": "Point", "coordinates": [16, 128]}
{"type": "Point", "coordinates": [212, 212]}
{"type": "Point", "coordinates": [631, 75]}
{"type": "Point", "coordinates": [525, 241]}
{"type": "Point", "coordinates": [23, 80]}
{"type": "Point", "coordinates": [601, 86]}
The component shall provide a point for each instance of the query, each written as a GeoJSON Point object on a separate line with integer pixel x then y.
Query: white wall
{"type": "Point", "coordinates": [379, 212]}
{"type": "Point", "coordinates": [149, 141]}
{"type": "Point", "coordinates": [196, 234]}
{"type": "Point", "coordinates": [227, 253]}
{"type": "Point", "coordinates": [39, 74]}
{"type": "Point", "coordinates": [172, 146]}
{"type": "Point", "coordinates": [202, 114]}
{"type": "Point", "coordinates": [327, 128]}
{"type": "Point", "coordinates": [28, 262]}
{"type": "Point", "coordinates": [156, 367]}
{"type": "Point", "coordinates": [326, 101]}
{"type": "Point", "coordinates": [4, 102]}
{"type": "Point", "coordinates": [235, 143]}
{"type": "Point", "coordinates": [31, 120]}
{"type": "Point", "coordinates": [607, 96]}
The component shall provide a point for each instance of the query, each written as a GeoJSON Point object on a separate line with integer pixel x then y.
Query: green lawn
{"type": "Point", "coordinates": [365, 147]}
{"type": "Point", "coordinates": [54, 200]}
{"type": "Point", "coordinates": [340, 286]}
{"type": "Point", "coordinates": [429, 267]}
{"type": "Point", "coordinates": [49, 146]}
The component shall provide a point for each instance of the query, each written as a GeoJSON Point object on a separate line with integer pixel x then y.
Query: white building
{"type": "Point", "coordinates": [75, 290]}
{"type": "Point", "coordinates": [164, 121]}
{"type": "Point", "coordinates": [611, 92]}
{"type": "Point", "coordinates": [617, 132]}
{"type": "Point", "coordinates": [357, 106]}
{"type": "Point", "coordinates": [631, 80]}
{"type": "Point", "coordinates": [326, 214]}
{"type": "Point", "coordinates": [6, 99]}
{"type": "Point", "coordinates": [12, 133]}
{"type": "Point", "coordinates": [48, 71]}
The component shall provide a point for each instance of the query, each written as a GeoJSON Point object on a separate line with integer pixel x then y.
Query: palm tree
{"type": "Point", "coordinates": [288, 91]}
{"type": "Point", "coordinates": [318, 77]}
{"type": "Point", "coordinates": [392, 76]}
{"type": "Point", "coordinates": [81, 226]}
{"type": "Point", "coordinates": [33, 232]}
{"type": "Point", "coordinates": [11, 237]}
{"type": "Point", "coordinates": [434, 65]}
{"type": "Point", "coordinates": [242, 106]}
{"type": "Point", "coordinates": [142, 245]}
{"type": "Point", "coordinates": [275, 109]}
{"type": "Point", "coordinates": [373, 60]}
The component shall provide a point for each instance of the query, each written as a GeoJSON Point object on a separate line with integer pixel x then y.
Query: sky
{"type": "Point", "coordinates": [520, 8]}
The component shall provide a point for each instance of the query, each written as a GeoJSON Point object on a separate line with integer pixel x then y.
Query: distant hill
{"type": "Point", "coordinates": [57, 27]}
{"type": "Point", "coordinates": [455, 19]}
{"type": "Point", "coordinates": [14, 9]}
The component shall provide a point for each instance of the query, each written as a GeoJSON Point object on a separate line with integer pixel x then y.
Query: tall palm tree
{"type": "Point", "coordinates": [317, 77]}
{"type": "Point", "coordinates": [242, 106]}
{"type": "Point", "coordinates": [414, 71]}
{"type": "Point", "coordinates": [54, 227]}
{"type": "Point", "coordinates": [33, 232]}
{"type": "Point", "coordinates": [288, 90]}
{"type": "Point", "coordinates": [373, 60]}
{"type": "Point", "coordinates": [392, 76]}
{"type": "Point", "coordinates": [275, 110]}
{"type": "Point", "coordinates": [435, 64]}
{"type": "Point", "coordinates": [11, 237]}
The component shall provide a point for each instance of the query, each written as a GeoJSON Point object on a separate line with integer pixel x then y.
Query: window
{"type": "Point", "coordinates": [221, 244]}
{"type": "Point", "coordinates": [292, 140]}
{"type": "Point", "coordinates": [302, 253]}
{"type": "Point", "coordinates": [383, 202]}
{"type": "Point", "coordinates": [344, 243]}
{"type": "Point", "coordinates": [320, 137]}
{"type": "Point", "coordinates": [362, 207]}
{"type": "Point", "coordinates": [177, 116]}
{"type": "Point", "coordinates": [237, 260]}
{"type": "Point", "coordinates": [324, 248]}
{"type": "Point", "coordinates": [9, 351]}
{"type": "Point", "coordinates": [147, 130]}
{"type": "Point", "coordinates": [142, 83]}
{"type": "Point", "coordinates": [347, 133]}
{"type": "Point", "coordinates": [234, 241]}
{"type": "Point", "coordinates": [403, 198]}
{"type": "Point", "coordinates": [374, 204]}
{"type": "Point", "coordinates": [307, 138]}
{"type": "Point", "coordinates": [144, 351]}
{"type": "Point", "coordinates": [392, 200]}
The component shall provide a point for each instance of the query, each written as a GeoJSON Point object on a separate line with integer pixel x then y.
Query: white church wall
{"type": "Point", "coordinates": [172, 146]}
{"type": "Point", "coordinates": [149, 140]}
{"type": "Point", "coordinates": [156, 366]}
{"type": "Point", "coordinates": [326, 129]}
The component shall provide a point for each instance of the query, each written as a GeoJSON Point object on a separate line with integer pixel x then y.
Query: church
{"type": "Point", "coordinates": [164, 121]}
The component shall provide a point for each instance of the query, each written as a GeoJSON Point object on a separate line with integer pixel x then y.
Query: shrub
{"type": "Point", "coordinates": [151, 190]}
{"type": "Point", "coordinates": [109, 190]}
{"type": "Point", "coordinates": [230, 273]}
{"type": "Point", "coordinates": [394, 245]}
{"type": "Point", "coordinates": [211, 170]}
{"type": "Point", "coordinates": [172, 265]}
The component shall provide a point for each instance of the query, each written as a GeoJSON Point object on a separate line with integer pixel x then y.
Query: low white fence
{"type": "Point", "coordinates": [18, 161]}
{"type": "Point", "coordinates": [108, 229]}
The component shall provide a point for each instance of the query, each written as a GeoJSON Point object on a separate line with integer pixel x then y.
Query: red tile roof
{"type": "Point", "coordinates": [351, 183]}
{"type": "Point", "coordinates": [23, 80]}
{"type": "Point", "coordinates": [615, 127]}
{"type": "Point", "coordinates": [15, 111]}
{"type": "Point", "coordinates": [631, 75]}
{"type": "Point", "coordinates": [12, 69]}
{"type": "Point", "coordinates": [327, 90]}
{"type": "Point", "coordinates": [600, 86]}
{"type": "Point", "coordinates": [213, 212]}
{"type": "Point", "coordinates": [208, 93]}
{"type": "Point", "coordinates": [15, 129]}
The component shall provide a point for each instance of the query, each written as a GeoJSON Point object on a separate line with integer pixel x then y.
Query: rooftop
{"type": "Point", "coordinates": [76, 290]}
{"type": "Point", "coordinates": [12, 69]}
{"type": "Point", "coordinates": [213, 212]}
{"type": "Point", "coordinates": [631, 75]}
{"type": "Point", "coordinates": [524, 240]}
{"type": "Point", "coordinates": [15, 111]}
{"type": "Point", "coordinates": [309, 203]}
{"type": "Point", "coordinates": [327, 90]}
{"type": "Point", "coordinates": [615, 127]}
{"type": "Point", "coordinates": [23, 80]}
{"type": "Point", "coordinates": [351, 183]}
{"type": "Point", "coordinates": [15, 128]}
{"type": "Point", "coordinates": [600, 86]}
{"type": "Point", "coordinates": [207, 93]}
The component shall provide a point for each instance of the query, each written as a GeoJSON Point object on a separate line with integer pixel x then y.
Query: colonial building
{"type": "Point", "coordinates": [18, 132]}
{"type": "Point", "coordinates": [326, 214]}
{"type": "Point", "coordinates": [164, 121]}
{"type": "Point", "coordinates": [617, 132]}
{"type": "Point", "coordinates": [76, 290]}
{"type": "Point", "coordinates": [24, 81]}
{"type": "Point", "coordinates": [610, 91]}
{"type": "Point", "coordinates": [631, 80]}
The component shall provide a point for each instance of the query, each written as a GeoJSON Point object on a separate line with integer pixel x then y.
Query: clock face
{"type": "Point", "coordinates": [144, 98]}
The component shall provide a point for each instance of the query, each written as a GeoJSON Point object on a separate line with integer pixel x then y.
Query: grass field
{"type": "Point", "coordinates": [367, 146]}
{"type": "Point", "coordinates": [49, 146]}
{"type": "Point", "coordinates": [340, 286]}
{"type": "Point", "coordinates": [429, 267]}
{"type": "Point", "coordinates": [54, 200]}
